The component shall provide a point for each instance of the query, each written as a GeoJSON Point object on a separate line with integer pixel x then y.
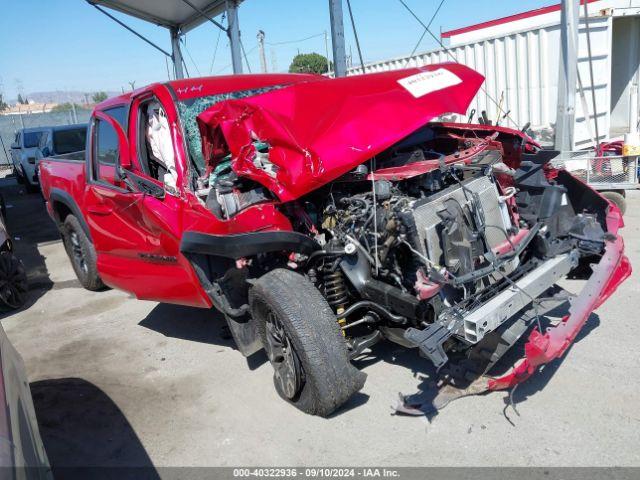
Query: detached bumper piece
{"type": "Point", "coordinates": [608, 274]}
{"type": "Point", "coordinates": [540, 349]}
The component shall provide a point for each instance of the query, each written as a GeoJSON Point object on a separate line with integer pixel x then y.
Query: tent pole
{"type": "Point", "coordinates": [337, 38]}
{"type": "Point", "coordinates": [233, 31]}
{"type": "Point", "coordinates": [176, 53]}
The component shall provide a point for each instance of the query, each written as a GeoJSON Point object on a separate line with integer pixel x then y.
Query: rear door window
{"type": "Point", "coordinates": [69, 141]}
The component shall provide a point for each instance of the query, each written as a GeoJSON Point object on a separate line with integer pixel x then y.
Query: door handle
{"type": "Point", "coordinates": [99, 209]}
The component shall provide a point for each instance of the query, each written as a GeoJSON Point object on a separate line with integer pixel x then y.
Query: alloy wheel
{"type": "Point", "coordinates": [76, 250]}
{"type": "Point", "coordinates": [283, 358]}
{"type": "Point", "coordinates": [13, 281]}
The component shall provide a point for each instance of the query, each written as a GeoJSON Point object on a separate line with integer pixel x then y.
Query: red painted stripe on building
{"type": "Point", "coordinates": [503, 20]}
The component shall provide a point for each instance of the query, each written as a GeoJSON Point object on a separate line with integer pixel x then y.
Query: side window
{"type": "Point", "coordinates": [106, 143]}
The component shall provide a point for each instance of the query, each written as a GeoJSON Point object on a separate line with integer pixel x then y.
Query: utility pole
{"type": "Point", "coordinates": [568, 71]}
{"type": "Point", "coordinates": [337, 38]}
{"type": "Point", "coordinates": [326, 50]}
{"type": "Point", "coordinates": [263, 58]}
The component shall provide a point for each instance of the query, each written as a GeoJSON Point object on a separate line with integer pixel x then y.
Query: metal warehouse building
{"type": "Point", "coordinates": [519, 56]}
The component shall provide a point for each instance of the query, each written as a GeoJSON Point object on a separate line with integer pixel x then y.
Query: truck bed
{"type": "Point", "coordinates": [62, 175]}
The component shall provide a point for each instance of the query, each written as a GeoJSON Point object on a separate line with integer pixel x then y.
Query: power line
{"type": "Point", "coordinates": [451, 55]}
{"type": "Point", "coordinates": [355, 34]}
{"type": "Point", "coordinates": [425, 30]}
{"type": "Point", "coordinates": [245, 56]}
{"type": "Point", "coordinates": [215, 50]}
{"type": "Point", "coordinates": [184, 42]}
{"type": "Point", "coordinates": [294, 41]}
{"type": "Point", "coordinates": [248, 52]}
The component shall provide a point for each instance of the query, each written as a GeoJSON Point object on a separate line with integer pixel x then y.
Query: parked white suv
{"type": "Point", "coordinates": [23, 156]}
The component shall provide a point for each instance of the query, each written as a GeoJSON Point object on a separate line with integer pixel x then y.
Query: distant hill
{"type": "Point", "coordinates": [64, 96]}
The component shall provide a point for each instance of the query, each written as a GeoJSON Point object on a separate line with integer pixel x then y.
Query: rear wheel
{"type": "Point", "coordinates": [81, 253]}
{"type": "Point", "coordinates": [617, 198]}
{"type": "Point", "coordinates": [13, 281]}
{"type": "Point", "coordinates": [303, 342]}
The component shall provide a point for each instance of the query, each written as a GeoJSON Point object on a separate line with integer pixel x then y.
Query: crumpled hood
{"type": "Point", "coordinates": [320, 130]}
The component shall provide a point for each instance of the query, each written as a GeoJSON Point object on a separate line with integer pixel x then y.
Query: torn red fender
{"type": "Point", "coordinates": [608, 274]}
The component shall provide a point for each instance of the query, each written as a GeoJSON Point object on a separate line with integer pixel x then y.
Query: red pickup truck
{"type": "Point", "coordinates": [321, 216]}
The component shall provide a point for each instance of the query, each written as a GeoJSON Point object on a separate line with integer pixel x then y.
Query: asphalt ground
{"type": "Point", "coordinates": [122, 382]}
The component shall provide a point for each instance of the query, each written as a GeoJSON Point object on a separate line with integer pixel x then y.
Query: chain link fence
{"type": "Point", "coordinates": [609, 172]}
{"type": "Point", "coordinates": [10, 124]}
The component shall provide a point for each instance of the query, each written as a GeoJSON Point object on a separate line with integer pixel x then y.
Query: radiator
{"type": "Point", "coordinates": [427, 221]}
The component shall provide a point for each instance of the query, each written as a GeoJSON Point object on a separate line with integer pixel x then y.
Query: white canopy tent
{"type": "Point", "coordinates": [180, 16]}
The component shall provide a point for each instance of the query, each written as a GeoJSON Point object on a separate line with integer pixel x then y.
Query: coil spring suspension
{"type": "Point", "coordinates": [334, 288]}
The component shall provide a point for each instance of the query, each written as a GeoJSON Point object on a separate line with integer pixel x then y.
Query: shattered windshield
{"type": "Point", "coordinates": [190, 109]}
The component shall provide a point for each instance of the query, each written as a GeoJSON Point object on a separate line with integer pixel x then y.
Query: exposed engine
{"type": "Point", "coordinates": [415, 259]}
{"type": "Point", "coordinates": [441, 256]}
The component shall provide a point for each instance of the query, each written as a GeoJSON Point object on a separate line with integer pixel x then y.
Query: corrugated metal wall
{"type": "Point", "coordinates": [522, 67]}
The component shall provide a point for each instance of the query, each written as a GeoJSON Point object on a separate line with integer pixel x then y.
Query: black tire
{"type": "Point", "coordinates": [31, 188]}
{"type": "Point", "coordinates": [19, 176]}
{"type": "Point", "coordinates": [81, 253]}
{"type": "Point", "coordinates": [27, 185]}
{"type": "Point", "coordinates": [13, 281]}
{"type": "Point", "coordinates": [617, 198]}
{"type": "Point", "coordinates": [323, 377]}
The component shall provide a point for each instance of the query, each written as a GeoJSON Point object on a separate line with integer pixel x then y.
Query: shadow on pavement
{"type": "Point", "coordinates": [189, 323]}
{"type": "Point", "coordinates": [196, 325]}
{"type": "Point", "coordinates": [85, 434]}
{"type": "Point", "coordinates": [29, 225]}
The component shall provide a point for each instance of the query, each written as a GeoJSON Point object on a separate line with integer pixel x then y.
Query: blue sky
{"type": "Point", "coordinates": [68, 45]}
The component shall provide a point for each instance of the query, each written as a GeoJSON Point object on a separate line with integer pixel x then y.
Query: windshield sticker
{"type": "Point", "coordinates": [422, 83]}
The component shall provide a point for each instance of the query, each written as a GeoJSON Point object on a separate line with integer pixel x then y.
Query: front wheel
{"type": "Point", "coordinates": [81, 253]}
{"type": "Point", "coordinates": [303, 342]}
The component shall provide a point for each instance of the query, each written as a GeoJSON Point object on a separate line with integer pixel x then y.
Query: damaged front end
{"type": "Point", "coordinates": [448, 238]}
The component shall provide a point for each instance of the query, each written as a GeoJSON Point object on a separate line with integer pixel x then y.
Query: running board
{"type": "Point", "coordinates": [505, 305]}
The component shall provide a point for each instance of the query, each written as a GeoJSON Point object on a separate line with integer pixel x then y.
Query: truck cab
{"type": "Point", "coordinates": [130, 206]}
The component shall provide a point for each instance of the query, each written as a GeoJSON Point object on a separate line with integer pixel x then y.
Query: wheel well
{"type": "Point", "coordinates": [61, 210]}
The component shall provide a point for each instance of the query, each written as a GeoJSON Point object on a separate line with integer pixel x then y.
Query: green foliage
{"type": "Point", "coordinates": [99, 97]}
{"type": "Point", "coordinates": [3, 104]}
{"type": "Point", "coordinates": [65, 107]}
{"type": "Point", "coordinates": [22, 101]}
{"type": "Point", "coordinates": [308, 63]}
